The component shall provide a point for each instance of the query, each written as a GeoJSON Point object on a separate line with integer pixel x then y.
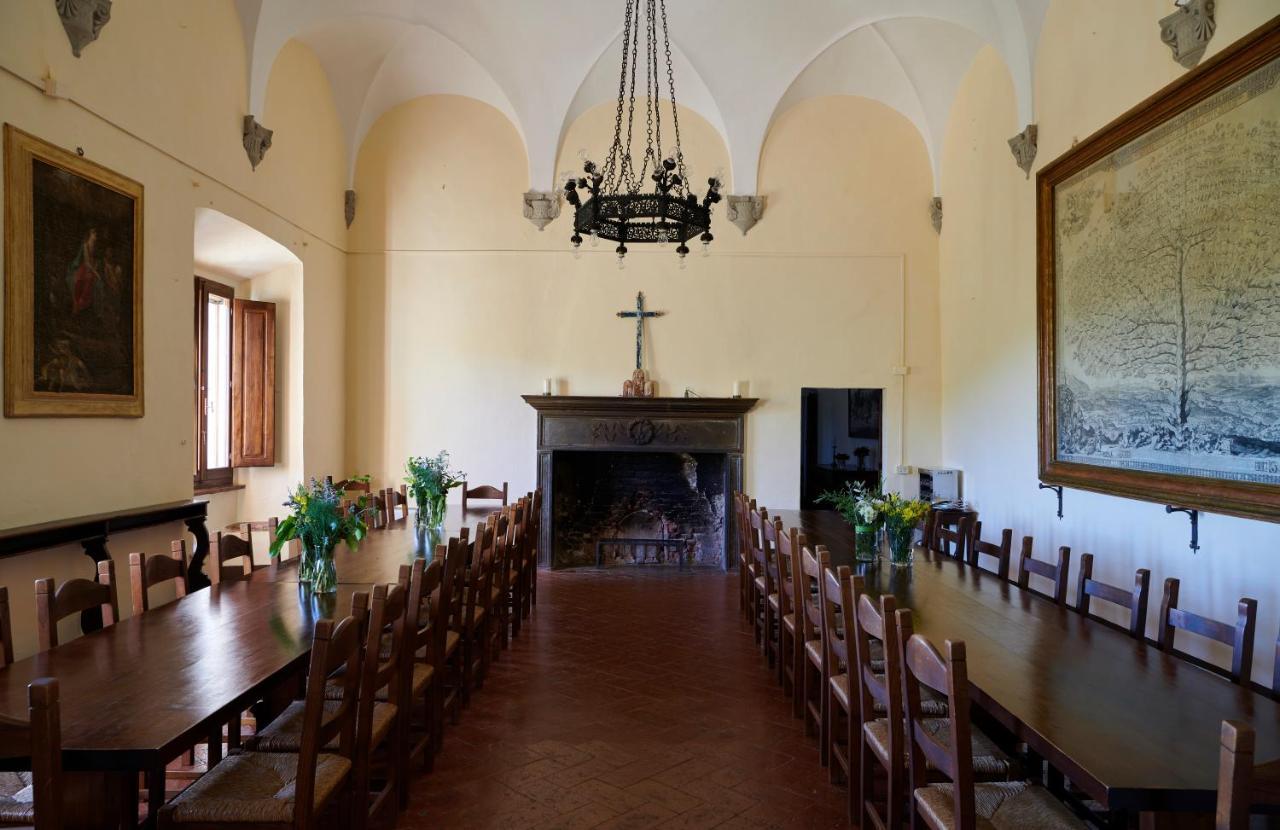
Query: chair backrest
{"type": "Point", "coordinates": [225, 548]}
{"type": "Point", "coordinates": [267, 527]}
{"type": "Point", "coordinates": [1235, 775]}
{"type": "Point", "coordinates": [38, 741]}
{"type": "Point", "coordinates": [770, 530]}
{"type": "Point", "coordinates": [1238, 635]}
{"type": "Point", "coordinates": [790, 541]}
{"type": "Point", "coordinates": [923, 667]}
{"type": "Point", "coordinates": [387, 659]}
{"type": "Point", "coordinates": [813, 564]}
{"type": "Point", "coordinates": [535, 527]}
{"type": "Point", "coordinates": [756, 521]}
{"type": "Point", "coordinates": [485, 492]}
{"type": "Point", "coordinates": [456, 570]}
{"type": "Point", "coordinates": [947, 539]}
{"type": "Point", "coordinates": [146, 572]}
{"type": "Point", "coordinates": [375, 514]}
{"type": "Point", "coordinates": [836, 606]}
{"type": "Point", "coordinates": [57, 602]}
{"type": "Point", "coordinates": [1057, 574]}
{"type": "Point", "coordinates": [353, 485]}
{"type": "Point", "coordinates": [481, 568]}
{"type": "Point", "coordinates": [335, 647]}
{"type": "Point", "coordinates": [870, 622]}
{"type": "Point", "coordinates": [6, 629]}
{"type": "Point", "coordinates": [1135, 600]}
{"type": "Point", "coordinates": [397, 502]}
{"type": "Point", "coordinates": [999, 552]}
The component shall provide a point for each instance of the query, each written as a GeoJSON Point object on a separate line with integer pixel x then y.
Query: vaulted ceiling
{"type": "Point", "coordinates": [738, 63]}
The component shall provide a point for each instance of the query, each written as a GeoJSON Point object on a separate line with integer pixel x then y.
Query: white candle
{"type": "Point", "coordinates": [737, 389]}
{"type": "Point", "coordinates": [546, 386]}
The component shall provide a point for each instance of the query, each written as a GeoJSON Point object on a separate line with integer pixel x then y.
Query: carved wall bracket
{"type": "Point", "coordinates": [257, 140]}
{"type": "Point", "coordinates": [1188, 30]}
{"type": "Point", "coordinates": [744, 211]}
{"type": "Point", "coordinates": [349, 206]}
{"type": "Point", "coordinates": [541, 208]}
{"type": "Point", "coordinates": [83, 20]}
{"type": "Point", "coordinates": [935, 213]}
{"type": "Point", "coordinates": [1023, 146]}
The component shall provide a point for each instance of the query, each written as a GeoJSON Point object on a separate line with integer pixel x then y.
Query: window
{"type": "Point", "coordinates": [213, 384]}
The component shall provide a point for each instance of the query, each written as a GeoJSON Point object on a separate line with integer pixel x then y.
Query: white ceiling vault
{"type": "Point", "coordinates": [738, 63]}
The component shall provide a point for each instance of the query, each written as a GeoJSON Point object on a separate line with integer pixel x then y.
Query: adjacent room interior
{"type": "Point", "coordinates": [631, 413]}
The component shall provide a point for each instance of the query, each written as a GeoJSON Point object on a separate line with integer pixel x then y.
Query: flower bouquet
{"type": "Point", "coordinates": [430, 481]}
{"type": "Point", "coordinates": [859, 504]}
{"type": "Point", "coordinates": [320, 521]}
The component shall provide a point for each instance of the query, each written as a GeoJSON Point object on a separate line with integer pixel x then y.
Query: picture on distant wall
{"type": "Point", "coordinates": [864, 413]}
{"type": "Point", "coordinates": [1165, 294]}
{"type": "Point", "coordinates": [73, 303]}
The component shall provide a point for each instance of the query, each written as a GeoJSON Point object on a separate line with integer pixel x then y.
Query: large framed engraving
{"type": "Point", "coordinates": [73, 284]}
{"type": "Point", "coordinates": [1158, 257]}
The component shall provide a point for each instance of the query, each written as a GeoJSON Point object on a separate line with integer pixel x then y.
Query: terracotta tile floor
{"type": "Point", "coordinates": [634, 699]}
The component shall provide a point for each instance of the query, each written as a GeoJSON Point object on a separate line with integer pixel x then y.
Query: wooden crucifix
{"type": "Point", "coordinates": [639, 386]}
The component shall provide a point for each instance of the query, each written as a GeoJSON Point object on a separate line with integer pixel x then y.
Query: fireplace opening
{"type": "Point", "coordinates": [638, 508]}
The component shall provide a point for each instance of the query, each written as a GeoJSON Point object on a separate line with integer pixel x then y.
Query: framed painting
{"type": "Point", "coordinates": [1158, 257]}
{"type": "Point", "coordinates": [73, 285]}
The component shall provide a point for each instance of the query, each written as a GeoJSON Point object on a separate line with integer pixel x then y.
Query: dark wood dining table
{"type": "Point", "coordinates": [1137, 729]}
{"type": "Point", "coordinates": [136, 694]}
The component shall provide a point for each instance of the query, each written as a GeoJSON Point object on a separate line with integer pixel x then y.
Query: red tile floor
{"type": "Point", "coordinates": [633, 699]}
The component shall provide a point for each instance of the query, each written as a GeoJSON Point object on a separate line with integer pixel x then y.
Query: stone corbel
{"type": "Point", "coordinates": [257, 140]}
{"type": "Point", "coordinates": [744, 211]}
{"type": "Point", "coordinates": [935, 213]}
{"type": "Point", "coordinates": [349, 206]}
{"type": "Point", "coordinates": [1188, 30]}
{"type": "Point", "coordinates": [541, 208]}
{"type": "Point", "coordinates": [1023, 146]}
{"type": "Point", "coordinates": [83, 20]}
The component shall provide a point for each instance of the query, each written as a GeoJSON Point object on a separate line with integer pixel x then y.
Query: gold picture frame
{"type": "Point", "coordinates": [73, 285]}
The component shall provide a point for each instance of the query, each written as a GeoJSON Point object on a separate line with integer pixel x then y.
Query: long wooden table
{"type": "Point", "coordinates": [1136, 728]}
{"type": "Point", "coordinates": [136, 694]}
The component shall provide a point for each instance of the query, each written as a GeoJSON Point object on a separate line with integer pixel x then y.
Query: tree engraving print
{"type": "Point", "coordinates": [1167, 255]}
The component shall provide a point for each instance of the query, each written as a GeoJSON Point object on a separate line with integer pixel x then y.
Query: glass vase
{"type": "Point", "coordinates": [900, 538]}
{"type": "Point", "coordinates": [865, 544]}
{"type": "Point", "coordinates": [431, 510]}
{"type": "Point", "coordinates": [324, 573]}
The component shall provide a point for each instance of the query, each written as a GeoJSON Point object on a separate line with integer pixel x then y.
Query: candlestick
{"type": "Point", "coordinates": [737, 388]}
{"type": "Point", "coordinates": [546, 386]}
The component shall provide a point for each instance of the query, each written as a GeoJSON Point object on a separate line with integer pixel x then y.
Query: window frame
{"type": "Point", "coordinates": [218, 477]}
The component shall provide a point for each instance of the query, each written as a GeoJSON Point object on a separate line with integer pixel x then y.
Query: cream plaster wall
{"type": "Point", "coordinates": [457, 305]}
{"type": "Point", "coordinates": [159, 97]}
{"type": "Point", "coordinates": [1097, 58]}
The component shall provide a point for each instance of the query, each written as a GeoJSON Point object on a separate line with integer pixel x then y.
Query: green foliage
{"type": "Point", "coordinates": [857, 503]}
{"type": "Point", "coordinates": [317, 518]}
{"type": "Point", "coordinates": [430, 478]}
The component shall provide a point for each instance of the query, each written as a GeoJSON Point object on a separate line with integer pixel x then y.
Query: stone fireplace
{"type": "Point", "coordinates": [638, 481]}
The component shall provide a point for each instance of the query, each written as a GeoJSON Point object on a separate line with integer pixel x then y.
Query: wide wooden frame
{"type": "Point", "coordinates": [21, 400]}
{"type": "Point", "coordinates": [1247, 499]}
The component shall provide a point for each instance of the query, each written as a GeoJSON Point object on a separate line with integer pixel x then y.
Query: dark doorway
{"type": "Point", "coordinates": [841, 439]}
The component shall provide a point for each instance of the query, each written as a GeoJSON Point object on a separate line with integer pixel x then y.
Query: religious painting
{"type": "Point", "coordinates": [73, 284]}
{"type": "Point", "coordinates": [864, 413]}
{"type": "Point", "coordinates": [1159, 293]}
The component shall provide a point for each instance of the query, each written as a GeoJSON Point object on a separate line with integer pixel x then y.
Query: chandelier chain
{"type": "Point", "coordinates": [671, 85]}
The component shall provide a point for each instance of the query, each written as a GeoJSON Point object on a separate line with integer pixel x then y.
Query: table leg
{"type": "Point", "coordinates": [96, 800]}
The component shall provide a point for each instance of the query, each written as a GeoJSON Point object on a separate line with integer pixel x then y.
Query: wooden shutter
{"type": "Point", "coordinates": [253, 384]}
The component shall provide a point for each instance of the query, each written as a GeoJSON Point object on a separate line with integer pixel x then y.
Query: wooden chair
{"type": "Point", "coordinates": [963, 804]}
{"type": "Point", "coordinates": [790, 667]}
{"type": "Point", "coordinates": [837, 611]}
{"type": "Point", "coordinates": [475, 617]}
{"type": "Point", "coordinates": [999, 552]}
{"type": "Point", "coordinates": [945, 539]}
{"type": "Point", "coordinates": [267, 528]}
{"type": "Point", "coordinates": [1057, 574]}
{"type": "Point", "coordinates": [813, 564]}
{"type": "Point", "coordinates": [1134, 601]}
{"type": "Point", "coordinates": [535, 541]}
{"type": "Point", "coordinates": [224, 548]}
{"type": "Point", "coordinates": [873, 740]}
{"type": "Point", "coordinates": [511, 600]}
{"type": "Point", "coordinates": [258, 790]}
{"type": "Point", "coordinates": [453, 597]}
{"type": "Point", "coordinates": [376, 515]}
{"type": "Point", "coordinates": [397, 500]}
{"type": "Point", "coordinates": [1235, 775]}
{"type": "Point", "coordinates": [37, 741]}
{"type": "Point", "coordinates": [428, 612]}
{"type": "Point", "coordinates": [760, 579]}
{"type": "Point", "coordinates": [484, 492]}
{"type": "Point", "coordinates": [6, 629]}
{"type": "Point", "coordinates": [1239, 636]}
{"type": "Point", "coordinates": [499, 571]}
{"type": "Point", "coordinates": [767, 561]}
{"type": "Point", "coordinates": [57, 602]}
{"type": "Point", "coordinates": [353, 485]}
{"type": "Point", "coordinates": [145, 572]}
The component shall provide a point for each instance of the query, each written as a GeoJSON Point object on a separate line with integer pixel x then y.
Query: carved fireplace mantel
{"type": "Point", "coordinates": [617, 424]}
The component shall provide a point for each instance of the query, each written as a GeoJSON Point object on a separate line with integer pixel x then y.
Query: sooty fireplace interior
{"type": "Point", "coordinates": [638, 480]}
{"type": "Point", "coordinates": [629, 508]}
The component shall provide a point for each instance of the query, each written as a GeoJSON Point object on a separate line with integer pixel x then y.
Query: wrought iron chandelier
{"type": "Point", "coordinates": [608, 201]}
